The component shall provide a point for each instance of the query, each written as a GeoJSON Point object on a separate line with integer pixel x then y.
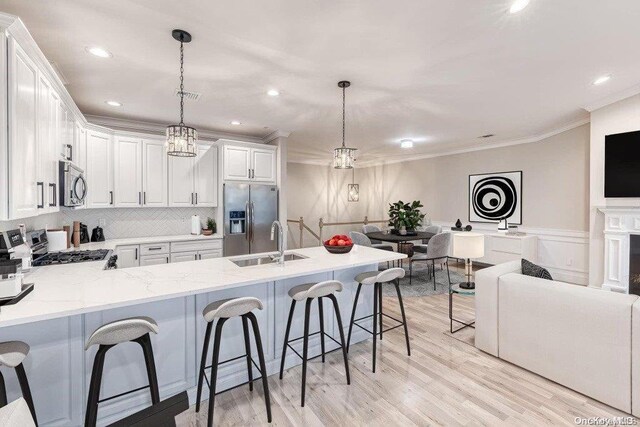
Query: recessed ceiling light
{"type": "Point", "coordinates": [100, 52]}
{"type": "Point", "coordinates": [273, 92]}
{"type": "Point", "coordinates": [113, 103]}
{"type": "Point", "coordinates": [602, 79]}
{"type": "Point", "coordinates": [235, 122]}
{"type": "Point", "coordinates": [406, 143]}
{"type": "Point", "coordinates": [518, 6]}
{"type": "Point", "coordinates": [489, 135]}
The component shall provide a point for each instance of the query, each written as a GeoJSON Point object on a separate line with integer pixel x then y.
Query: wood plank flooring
{"type": "Point", "coordinates": [446, 381]}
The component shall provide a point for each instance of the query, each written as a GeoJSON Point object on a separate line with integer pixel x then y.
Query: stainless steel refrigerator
{"type": "Point", "coordinates": [249, 211]}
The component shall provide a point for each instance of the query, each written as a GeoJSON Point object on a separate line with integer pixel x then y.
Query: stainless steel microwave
{"type": "Point", "coordinates": [73, 185]}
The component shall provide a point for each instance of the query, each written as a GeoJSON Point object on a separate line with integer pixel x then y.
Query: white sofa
{"type": "Point", "coordinates": [583, 338]}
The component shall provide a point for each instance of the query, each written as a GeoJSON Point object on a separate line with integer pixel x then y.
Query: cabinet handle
{"type": "Point", "coordinates": [136, 254]}
{"type": "Point", "coordinates": [144, 197]}
{"type": "Point", "coordinates": [167, 260]}
{"type": "Point", "coordinates": [70, 148]}
{"type": "Point", "coordinates": [110, 197]}
{"type": "Point", "coordinates": [191, 198]}
{"type": "Point", "coordinates": [41, 185]}
{"type": "Point", "coordinates": [196, 198]}
{"type": "Point", "coordinates": [140, 198]}
{"type": "Point", "coordinates": [195, 256]}
{"type": "Point", "coordinates": [155, 249]}
{"type": "Point", "coordinates": [52, 186]}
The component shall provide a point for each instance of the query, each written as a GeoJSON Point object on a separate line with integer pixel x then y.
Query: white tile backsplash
{"type": "Point", "coordinates": [121, 222]}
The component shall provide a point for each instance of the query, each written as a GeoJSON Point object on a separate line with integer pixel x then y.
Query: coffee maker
{"type": "Point", "coordinates": [13, 247]}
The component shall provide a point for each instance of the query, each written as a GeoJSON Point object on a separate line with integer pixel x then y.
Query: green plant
{"type": "Point", "coordinates": [405, 214]}
{"type": "Point", "coordinates": [211, 224]}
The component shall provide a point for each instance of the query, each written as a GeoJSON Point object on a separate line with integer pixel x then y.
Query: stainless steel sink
{"type": "Point", "coordinates": [262, 260]}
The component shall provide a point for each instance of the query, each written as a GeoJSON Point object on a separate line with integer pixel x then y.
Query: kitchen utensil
{"type": "Point", "coordinates": [67, 230]}
{"type": "Point", "coordinates": [84, 233]}
{"type": "Point", "coordinates": [57, 240]}
{"type": "Point", "coordinates": [76, 234]}
{"type": "Point", "coordinates": [97, 235]}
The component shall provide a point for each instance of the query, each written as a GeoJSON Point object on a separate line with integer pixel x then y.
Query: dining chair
{"type": "Point", "coordinates": [438, 250]}
{"type": "Point", "coordinates": [361, 239]}
{"type": "Point", "coordinates": [422, 247]}
{"type": "Point", "coordinates": [368, 228]}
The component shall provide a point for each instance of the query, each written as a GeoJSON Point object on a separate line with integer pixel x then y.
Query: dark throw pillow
{"type": "Point", "coordinates": [533, 270]}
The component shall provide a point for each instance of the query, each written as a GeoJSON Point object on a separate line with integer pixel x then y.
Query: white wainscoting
{"type": "Point", "coordinates": [565, 253]}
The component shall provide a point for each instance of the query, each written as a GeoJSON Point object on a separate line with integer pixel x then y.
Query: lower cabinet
{"type": "Point", "coordinates": [164, 253]}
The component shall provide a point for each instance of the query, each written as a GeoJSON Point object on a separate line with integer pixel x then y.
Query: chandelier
{"type": "Point", "coordinates": [344, 157]}
{"type": "Point", "coordinates": [181, 139]}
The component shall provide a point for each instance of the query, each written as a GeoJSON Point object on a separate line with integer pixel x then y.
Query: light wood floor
{"type": "Point", "coordinates": [446, 381]}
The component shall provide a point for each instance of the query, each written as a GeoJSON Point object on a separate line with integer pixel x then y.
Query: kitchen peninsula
{"type": "Point", "coordinates": [70, 301]}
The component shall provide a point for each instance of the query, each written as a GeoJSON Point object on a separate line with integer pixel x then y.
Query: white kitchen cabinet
{"type": "Point", "coordinates": [48, 152]}
{"type": "Point", "coordinates": [210, 254]}
{"type": "Point", "coordinates": [237, 163]}
{"type": "Point", "coordinates": [154, 260]}
{"type": "Point", "coordinates": [184, 256]}
{"type": "Point", "coordinates": [99, 170]}
{"type": "Point", "coordinates": [127, 172]}
{"type": "Point", "coordinates": [154, 173]}
{"type": "Point", "coordinates": [193, 180]}
{"type": "Point", "coordinates": [26, 193]}
{"type": "Point", "coordinates": [128, 256]}
{"type": "Point", "coordinates": [248, 163]}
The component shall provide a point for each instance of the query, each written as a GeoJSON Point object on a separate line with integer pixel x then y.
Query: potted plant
{"type": "Point", "coordinates": [211, 227]}
{"type": "Point", "coordinates": [405, 217]}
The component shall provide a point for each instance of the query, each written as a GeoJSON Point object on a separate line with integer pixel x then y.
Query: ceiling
{"type": "Point", "coordinates": [439, 72]}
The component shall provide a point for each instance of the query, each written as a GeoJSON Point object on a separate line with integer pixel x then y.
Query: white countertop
{"type": "Point", "coordinates": [112, 243]}
{"type": "Point", "coordinates": [71, 289]}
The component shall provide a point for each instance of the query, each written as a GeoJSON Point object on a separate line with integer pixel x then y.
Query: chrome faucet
{"type": "Point", "coordinates": [277, 224]}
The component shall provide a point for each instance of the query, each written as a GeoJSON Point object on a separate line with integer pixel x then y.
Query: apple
{"type": "Point", "coordinates": [333, 242]}
{"type": "Point", "coordinates": [341, 242]}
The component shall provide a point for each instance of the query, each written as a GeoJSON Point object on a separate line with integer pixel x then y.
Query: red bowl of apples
{"type": "Point", "coordinates": [338, 244]}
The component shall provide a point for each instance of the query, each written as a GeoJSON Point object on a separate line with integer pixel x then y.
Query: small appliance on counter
{"type": "Point", "coordinates": [10, 278]}
{"type": "Point", "coordinates": [13, 246]}
{"type": "Point", "coordinates": [97, 235]}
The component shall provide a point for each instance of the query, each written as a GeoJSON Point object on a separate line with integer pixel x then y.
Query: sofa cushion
{"type": "Point", "coordinates": [577, 336]}
{"type": "Point", "coordinates": [534, 270]}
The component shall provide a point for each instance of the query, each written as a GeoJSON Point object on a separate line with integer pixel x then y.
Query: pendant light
{"type": "Point", "coordinates": [353, 189]}
{"type": "Point", "coordinates": [181, 139]}
{"type": "Point", "coordinates": [344, 157]}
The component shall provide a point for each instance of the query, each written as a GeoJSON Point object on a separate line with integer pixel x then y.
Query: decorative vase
{"type": "Point", "coordinates": [403, 231]}
{"type": "Point", "coordinates": [458, 223]}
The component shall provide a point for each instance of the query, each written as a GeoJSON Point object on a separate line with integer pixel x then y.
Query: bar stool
{"type": "Point", "coordinates": [135, 329]}
{"type": "Point", "coordinates": [12, 354]}
{"type": "Point", "coordinates": [377, 279]}
{"type": "Point", "coordinates": [309, 292]}
{"type": "Point", "coordinates": [223, 310]}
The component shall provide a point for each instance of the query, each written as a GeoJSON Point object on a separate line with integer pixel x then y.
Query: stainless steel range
{"type": "Point", "coordinates": [53, 258]}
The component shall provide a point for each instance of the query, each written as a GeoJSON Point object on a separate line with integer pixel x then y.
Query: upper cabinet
{"type": "Point", "coordinates": [100, 190]}
{"type": "Point", "coordinates": [26, 192]}
{"type": "Point", "coordinates": [154, 173]}
{"type": "Point", "coordinates": [193, 181]}
{"type": "Point", "coordinates": [249, 162]}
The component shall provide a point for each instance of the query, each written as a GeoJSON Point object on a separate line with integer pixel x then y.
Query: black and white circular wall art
{"type": "Point", "coordinates": [495, 196]}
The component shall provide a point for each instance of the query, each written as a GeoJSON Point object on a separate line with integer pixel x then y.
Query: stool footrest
{"type": "Point", "coordinates": [384, 314]}
{"type": "Point", "coordinates": [242, 356]}
{"type": "Point", "coordinates": [123, 394]}
{"type": "Point", "coordinates": [288, 344]}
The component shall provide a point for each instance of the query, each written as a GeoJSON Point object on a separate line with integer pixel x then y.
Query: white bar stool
{"type": "Point", "coordinates": [12, 354]}
{"type": "Point", "coordinates": [223, 310]}
{"type": "Point", "coordinates": [377, 279]}
{"type": "Point", "coordinates": [308, 292]}
{"type": "Point", "coordinates": [135, 329]}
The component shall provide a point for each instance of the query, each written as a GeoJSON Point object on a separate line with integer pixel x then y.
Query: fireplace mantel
{"type": "Point", "coordinates": [619, 224]}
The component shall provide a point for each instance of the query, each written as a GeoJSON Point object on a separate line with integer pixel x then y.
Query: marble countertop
{"type": "Point", "coordinates": [112, 243]}
{"type": "Point", "coordinates": [71, 289]}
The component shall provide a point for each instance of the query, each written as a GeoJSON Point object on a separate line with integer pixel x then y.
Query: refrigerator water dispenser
{"type": "Point", "coordinates": [237, 222]}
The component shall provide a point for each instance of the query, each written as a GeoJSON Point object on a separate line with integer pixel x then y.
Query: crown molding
{"type": "Point", "coordinates": [485, 146]}
{"type": "Point", "coordinates": [275, 134]}
{"type": "Point", "coordinates": [128, 125]}
{"type": "Point", "coordinates": [608, 100]}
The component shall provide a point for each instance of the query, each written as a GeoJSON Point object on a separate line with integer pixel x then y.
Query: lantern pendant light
{"type": "Point", "coordinates": [344, 157]}
{"type": "Point", "coordinates": [181, 139]}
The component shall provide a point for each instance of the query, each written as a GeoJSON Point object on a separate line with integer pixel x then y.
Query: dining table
{"type": "Point", "coordinates": [401, 239]}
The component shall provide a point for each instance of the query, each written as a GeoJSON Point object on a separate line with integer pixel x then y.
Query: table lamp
{"type": "Point", "coordinates": [467, 246]}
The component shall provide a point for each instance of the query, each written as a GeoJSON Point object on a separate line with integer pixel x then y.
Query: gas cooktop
{"type": "Point", "coordinates": [70, 257]}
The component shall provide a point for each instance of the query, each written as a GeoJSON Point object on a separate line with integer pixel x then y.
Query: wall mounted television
{"type": "Point", "coordinates": [622, 165]}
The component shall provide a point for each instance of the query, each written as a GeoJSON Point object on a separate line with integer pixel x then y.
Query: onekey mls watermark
{"type": "Point", "coordinates": [605, 421]}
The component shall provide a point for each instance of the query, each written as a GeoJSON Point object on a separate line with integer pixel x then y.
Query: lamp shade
{"type": "Point", "coordinates": [468, 245]}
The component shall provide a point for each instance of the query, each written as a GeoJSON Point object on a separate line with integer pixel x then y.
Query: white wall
{"type": "Point", "coordinates": [621, 116]}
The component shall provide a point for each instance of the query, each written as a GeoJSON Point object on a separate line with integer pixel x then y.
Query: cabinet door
{"type": "Point", "coordinates": [154, 259]}
{"type": "Point", "coordinates": [181, 181]}
{"type": "Point", "coordinates": [154, 173]}
{"type": "Point", "coordinates": [237, 162]}
{"type": "Point", "coordinates": [184, 256]}
{"type": "Point", "coordinates": [206, 182]}
{"type": "Point", "coordinates": [26, 193]}
{"type": "Point", "coordinates": [99, 170]}
{"type": "Point", "coordinates": [210, 254]}
{"type": "Point", "coordinates": [128, 256]}
{"type": "Point", "coordinates": [65, 132]}
{"type": "Point", "coordinates": [127, 172]}
{"type": "Point", "coordinates": [263, 163]}
{"type": "Point", "coordinates": [48, 144]}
